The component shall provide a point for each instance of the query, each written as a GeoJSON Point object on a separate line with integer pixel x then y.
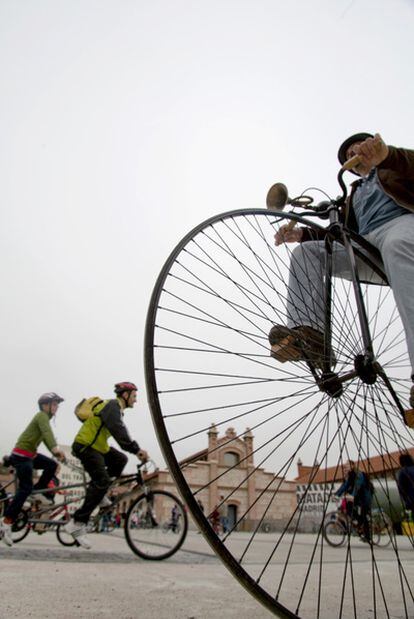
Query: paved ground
{"type": "Point", "coordinates": [39, 578]}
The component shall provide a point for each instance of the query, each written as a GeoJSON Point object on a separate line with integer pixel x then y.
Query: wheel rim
{"type": "Point", "coordinates": [21, 527]}
{"type": "Point", "coordinates": [207, 362]}
{"type": "Point", "coordinates": [66, 539]}
{"type": "Point", "coordinates": [159, 531]}
{"type": "Point", "coordinates": [334, 533]}
{"type": "Point", "coordinates": [382, 526]}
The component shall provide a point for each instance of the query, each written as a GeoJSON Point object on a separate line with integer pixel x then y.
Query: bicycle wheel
{"type": "Point", "coordinates": [65, 538]}
{"type": "Point", "coordinates": [209, 375]}
{"type": "Point", "coordinates": [381, 527]}
{"type": "Point", "coordinates": [334, 531]}
{"type": "Point", "coordinates": [147, 529]}
{"type": "Point", "coordinates": [21, 527]}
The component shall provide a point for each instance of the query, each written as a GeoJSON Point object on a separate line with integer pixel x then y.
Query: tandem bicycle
{"type": "Point", "coordinates": [155, 524]}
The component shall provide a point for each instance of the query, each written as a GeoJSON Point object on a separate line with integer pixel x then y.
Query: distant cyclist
{"type": "Point", "coordinates": [405, 481]}
{"type": "Point", "coordinates": [24, 458]}
{"type": "Point", "coordinates": [102, 462]}
{"type": "Point", "coordinates": [358, 485]}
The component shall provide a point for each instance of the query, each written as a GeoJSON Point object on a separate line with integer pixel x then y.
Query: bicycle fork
{"type": "Point", "coordinates": [365, 365]}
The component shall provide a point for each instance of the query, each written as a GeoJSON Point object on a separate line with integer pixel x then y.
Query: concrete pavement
{"type": "Point", "coordinates": [39, 578]}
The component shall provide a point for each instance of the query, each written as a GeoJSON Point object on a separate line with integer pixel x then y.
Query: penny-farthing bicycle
{"type": "Point", "coordinates": [207, 362]}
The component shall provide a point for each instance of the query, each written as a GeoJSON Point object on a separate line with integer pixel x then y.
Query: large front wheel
{"type": "Point", "coordinates": [156, 525]}
{"type": "Point", "coordinates": [257, 440]}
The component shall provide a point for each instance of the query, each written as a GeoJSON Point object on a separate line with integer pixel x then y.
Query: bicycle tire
{"type": "Point", "coordinates": [64, 538]}
{"type": "Point", "coordinates": [152, 540]}
{"type": "Point", "coordinates": [335, 533]}
{"type": "Point", "coordinates": [382, 528]}
{"type": "Point", "coordinates": [207, 367]}
{"type": "Point", "coordinates": [21, 527]}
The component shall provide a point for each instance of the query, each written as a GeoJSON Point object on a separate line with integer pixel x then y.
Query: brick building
{"type": "Point", "coordinates": [225, 472]}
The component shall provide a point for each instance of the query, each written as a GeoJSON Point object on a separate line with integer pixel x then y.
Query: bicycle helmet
{"type": "Point", "coordinates": [124, 386]}
{"type": "Point", "coordinates": [49, 397]}
{"type": "Point", "coordinates": [357, 137]}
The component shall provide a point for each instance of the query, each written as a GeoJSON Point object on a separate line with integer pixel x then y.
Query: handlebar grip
{"type": "Point", "coordinates": [351, 163]}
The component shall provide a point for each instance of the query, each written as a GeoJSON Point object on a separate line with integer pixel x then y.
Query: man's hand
{"type": "Point", "coordinates": [142, 455]}
{"type": "Point", "coordinates": [371, 151]}
{"type": "Point", "coordinates": [286, 234]}
{"type": "Point", "coordinates": [59, 454]}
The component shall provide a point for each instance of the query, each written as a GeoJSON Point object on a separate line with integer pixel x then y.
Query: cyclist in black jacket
{"type": "Point", "coordinates": [102, 462]}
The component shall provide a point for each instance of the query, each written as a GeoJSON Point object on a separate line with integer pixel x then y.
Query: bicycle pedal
{"type": "Point", "coordinates": [409, 417]}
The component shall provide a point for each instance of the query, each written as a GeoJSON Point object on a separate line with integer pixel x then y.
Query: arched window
{"type": "Point", "coordinates": [231, 458]}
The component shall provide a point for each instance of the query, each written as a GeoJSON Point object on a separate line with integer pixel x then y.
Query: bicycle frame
{"type": "Point", "coordinates": [34, 515]}
{"type": "Point", "coordinates": [366, 366]}
{"type": "Point", "coordinates": [140, 483]}
{"type": "Point", "coordinates": [4, 496]}
{"type": "Point", "coordinates": [56, 510]}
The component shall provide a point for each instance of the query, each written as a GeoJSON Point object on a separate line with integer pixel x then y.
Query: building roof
{"type": "Point", "coordinates": [376, 466]}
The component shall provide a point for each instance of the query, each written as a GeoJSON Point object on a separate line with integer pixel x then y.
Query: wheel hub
{"type": "Point", "coordinates": [366, 369]}
{"type": "Point", "coordinates": [329, 383]}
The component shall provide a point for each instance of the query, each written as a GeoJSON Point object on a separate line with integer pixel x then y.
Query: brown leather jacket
{"type": "Point", "coordinates": [396, 176]}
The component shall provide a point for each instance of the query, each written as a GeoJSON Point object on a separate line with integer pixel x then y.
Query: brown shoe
{"type": "Point", "coordinates": [409, 417]}
{"type": "Point", "coordinates": [299, 344]}
{"type": "Point", "coordinates": [284, 344]}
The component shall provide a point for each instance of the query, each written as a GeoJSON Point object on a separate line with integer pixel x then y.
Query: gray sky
{"type": "Point", "coordinates": [124, 124]}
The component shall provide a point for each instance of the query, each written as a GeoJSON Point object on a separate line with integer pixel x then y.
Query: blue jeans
{"type": "Point", "coordinates": [24, 472]}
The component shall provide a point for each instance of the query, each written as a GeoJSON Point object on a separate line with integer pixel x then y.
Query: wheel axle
{"type": "Point", "coordinates": [331, 384]}
{"type": "Point", "coordinates": [366, 369]}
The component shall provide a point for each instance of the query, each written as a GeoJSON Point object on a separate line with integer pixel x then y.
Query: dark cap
{"type": "Point", "coordinates": [357, 137]}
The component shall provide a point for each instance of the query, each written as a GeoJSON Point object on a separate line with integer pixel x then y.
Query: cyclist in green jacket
{"type": "Point", "coordinates": [102, 462]}
{"type": "Point", "coordinates": [24, 458]}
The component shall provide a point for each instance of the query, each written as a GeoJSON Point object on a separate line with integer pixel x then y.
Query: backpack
{"type": "Point", "coordinates": [368, 483]}
{"type": "Point", "coordinates": [88, 407]}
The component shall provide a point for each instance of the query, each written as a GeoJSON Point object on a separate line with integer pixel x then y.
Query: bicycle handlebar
{"type": "Point", "coordinates": [277, 197]}
{"type": "Point", "coordinates": [149, 462]}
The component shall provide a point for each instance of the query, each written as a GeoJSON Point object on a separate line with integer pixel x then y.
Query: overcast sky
{"type": "Point", "coordinates": [125, 123]}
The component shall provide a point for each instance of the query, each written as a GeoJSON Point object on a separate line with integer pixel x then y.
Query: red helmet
{"type": "Point", "coordinates": [125, 386]}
